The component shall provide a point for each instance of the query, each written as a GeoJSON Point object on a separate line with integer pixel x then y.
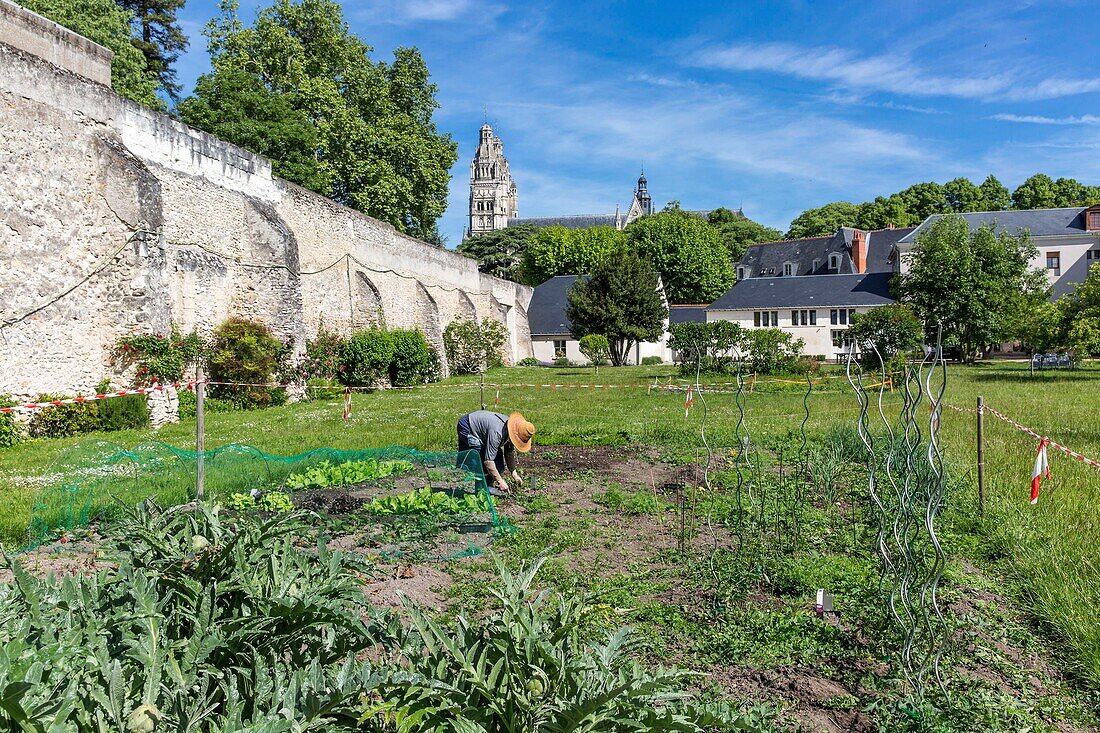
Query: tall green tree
{"type": "Point", "coordinates": [687, 252]}
{"type": "Point", "coordinates": [620, 301]}
{"type": "Point", "coordinates": [924, 199]}
{"type": "Point", "coordinates": [894, 330]}
{"type": "Point", "coordinates": [960, 195]}
{"type": "Point", "coordinates": [104, 22]}
{"type": "Point", "coordinates": [556, 251]}
{"type": "Point", "coordinates": [884, 212]}
{"type": "Point", "coordinates": [975, 284]}
{"type": "Point", "coordinates": [378, 149]}
{"type": "Point", "coordinates": [500, 252]}
{"type": "Point", "coordinates": [823, 220]}
{"type": "Point", "coordinates": [159, 38]}
{"type": "Point", "coordinates": [738, 233]}
{"type": "Point", "coordinates": [1036, 192]}
{"type": "Point", "coordinates": [993, 195]}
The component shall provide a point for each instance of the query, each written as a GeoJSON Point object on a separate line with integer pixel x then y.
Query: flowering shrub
{"type": "Point", "coordinates": [321, 360]}
{"type": "Point", "coordinates": [246, 353]}
{"type": "Point", "coordinates": [161, 358]}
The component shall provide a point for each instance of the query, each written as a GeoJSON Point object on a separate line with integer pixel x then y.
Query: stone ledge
{"type": "Point", "coordinates": [28, 31]}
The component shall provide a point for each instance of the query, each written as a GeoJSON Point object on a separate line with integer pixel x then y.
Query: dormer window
{"type": "Point", "coordinates": [834, 261]}
{"type": "Point", "coordinates": [788, 269]}
{"type": "Point", "coordinates": [1092, 219]}
{"type": "Point", "coordinates": [742, 272]}
{"type": "Point", "coordinates": [817, 264]}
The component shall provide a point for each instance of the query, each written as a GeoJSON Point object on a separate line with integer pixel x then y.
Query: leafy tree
{"type": "Point", "coordinates": [960, 195]}
{"type": "Point", "coordinates": [1070, 192]}
{"type": "Point", "coordinates": [884, 212]}
{"type": "Point", "coordinates": [894, 330]}
{"type": "Point", "coordinates": [596, 348]}
{"type": "Point", "coordinates": [559, 251]}
{"type": "Point", "coordinates": [973, 283]}
{"type": "Point", "coordinates": [924, 199]}
{"type": "Point", "coordinates": [104, 22]}
{"type": "Point", "coordinates": [707, 346]}
{"type": "Point", "coordinates": [823, 220]}
{"type": "Point", "coordinates": [737, 234]}
{"type": "Point", "coordinates": [687, 251]}
{"type": "Point", "coordinates": [992, 195]}
{"type": "Point", "coordinates": [1036, 192]}
{"type": "Point", "coordinates": [620, 301]}
{"type": "Point", "coordinates": [772, 350]}
{"type": "Point", "coordinates": [1042, 327]}
{"type": "Point", "coordinates": [1074, 323]}
{"type": "Point", "coordinates": [159, 38]}
{"type": "Point", "coordinates": [473, 347]}
{"type": "Point", "coordinates": [377, 146]}
{"type": "Point", "coordinates": [246, 353]}
{"type": "Point", "coordinates": [235, 105]}
{"type": "Point", "coordinates": [723, 215]}
{"type": "Point", "coordinates": [500, 252]}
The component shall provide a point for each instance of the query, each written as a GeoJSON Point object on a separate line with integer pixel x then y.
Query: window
{"type": "Point", "coordinates": [817, 264]}
{"type": "Point", "coordinates": [841, 316]}
{"type": "Point", "coordinates": [559, 349]}
{"type": "Point", "coordinates": [1093, 255]}
{"type": "Point", "coordinates": [765, 319]}
{"type": "Point", "coordinates": [834, 261]}
{"type": "Point", "coordinates": [742, 272]}
{"type": "Point", "coordinates": [1054, 262]}
{"type": "Point", "coordinates": [1094, 220]}
{"type": "Point", "coordinates": [804, 318]}
{"type": "Point", "coordinates": [841, 338]}
{"type": "Point", "coordinates": [788, 269]}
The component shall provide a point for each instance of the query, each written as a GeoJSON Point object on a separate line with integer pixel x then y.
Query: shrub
{"type": "Point", "coordinates": [894, 331]}
{"type": "Point", "coordinates": [596, 348]}
{"type": "Point", "coordinates": [772, 350]}
{"type": "Point", "coordinates": [805, 365]}
{"type": "Point", "coordinates": [472, 347]}
{"type": "Point", "coordinates": [63, 421]}
{"type": "Point", "coordinates": [11, 433]}
{"type": "Point", "coordinates": [562, 361]}
{"type": "Point", "coordinates": [528, 361]}
{"type": "Point", "coordinates": [652, 360]}
{"type": "Point", "coordinates": [246, 352]}
{"type": "Point", "coordinates": [321, 360]}
{"type": "Point", "coordinates": [710, 346]}
{"type": "Point", "coordinates": [412, 361]}
{"type": "Point", "coordinates": [122, 413]}
{"type": "Point", "coordinates": [161, 358]}
{"type": "Point", "coordinates": [365, 358]}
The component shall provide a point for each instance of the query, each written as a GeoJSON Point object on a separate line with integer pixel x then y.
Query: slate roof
{"type": "Point", "coordinates": [687, 313]}
{"type": "Point", "coordinates": [546, 314]}
{"type": "Point", "coordinates": [1040, 222]}
{"type": "Point", "coordinates": [821, 291]}
{"type": "Point", "coordinates": [575, 221]}
{"type": "Point", "coordinates": [812, 286]}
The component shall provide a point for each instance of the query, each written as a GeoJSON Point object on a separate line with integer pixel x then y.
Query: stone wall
{"type": "Point", "coordinates": [119, 219]}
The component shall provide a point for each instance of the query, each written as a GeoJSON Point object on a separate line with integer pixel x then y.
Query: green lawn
{"type": "Point", "coordinates": [1052, 550]}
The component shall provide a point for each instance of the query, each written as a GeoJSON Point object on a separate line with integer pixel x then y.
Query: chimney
{"type": "Point", "coordinates": [859, 250]}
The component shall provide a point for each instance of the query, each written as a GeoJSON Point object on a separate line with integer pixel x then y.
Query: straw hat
{"type": "Point", "coordinates": [520, 432]}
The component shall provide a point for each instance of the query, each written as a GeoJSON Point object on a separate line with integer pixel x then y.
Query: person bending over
{"type": "Point", "coordinates": [496, 438]}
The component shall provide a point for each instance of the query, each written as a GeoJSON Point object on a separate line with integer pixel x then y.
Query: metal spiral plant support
{"type": "Point", "coordinates": [909, 460]}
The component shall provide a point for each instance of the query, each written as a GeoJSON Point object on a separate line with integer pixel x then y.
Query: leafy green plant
{"type": "Point", "coordinates": [413, 362]}
{"type": "Point", "coordinates": [269, 501]}
{"type": "Point", "coordinates": [10, 431]}
{"type": "Point", "coordinates": [530, 666]}
{"type": "Point", "coordinates": [246, 353]}
{"type": "Point", "coordinates": [365, 358]}
{"type": "Point", "coordinates": [326, 474]}
{"type": "Point", "coordinates": [427, 501]}
{"type": "Point", "coordinates": [528, 361]}
{"type": "Point", "coordinates": [63, 421]}
{"type": "Point", "coordinates": [240, 501]}
{"type": "Point", "coordinates": [161, 358]}
{"type": "Point", "coordinates": [473, 347]}
{"type": "Point", "coordinates": [652, 361]}
{"type": "Point", "coordinates": [121, 413]}
{"type": "Point", "coordinates": [596, 348]}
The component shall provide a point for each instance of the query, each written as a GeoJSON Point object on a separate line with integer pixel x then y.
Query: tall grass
{"type": "Point", "coordinates": [1052, 549]}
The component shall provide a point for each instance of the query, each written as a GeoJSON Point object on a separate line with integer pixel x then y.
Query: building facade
{"type": "Point", "coordinates": [812, 287]}
{"type": "Point", "coordinates": [493, 195]}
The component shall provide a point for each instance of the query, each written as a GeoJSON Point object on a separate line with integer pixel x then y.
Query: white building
{"type": "Point", "coordinates": [811, 287]}
{"type": "Point", "coordinates": [550, 328]}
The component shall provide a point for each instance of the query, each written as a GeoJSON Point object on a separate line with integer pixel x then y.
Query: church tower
{"type": "Point", "coordinates": [493, 197]}
{"type": "Point", "coordinates": [642, 205]}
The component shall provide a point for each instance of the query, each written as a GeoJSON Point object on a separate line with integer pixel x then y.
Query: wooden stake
{"type": "Point", "coordinates": [981, 458]}
{"type": "Point", "coordinates": [200, 435]}
{"type": "Point", "coordinates": [483, 390]}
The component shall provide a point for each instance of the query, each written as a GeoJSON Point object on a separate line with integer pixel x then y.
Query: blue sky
{"type": "Point", "coordinates": [773, 106]}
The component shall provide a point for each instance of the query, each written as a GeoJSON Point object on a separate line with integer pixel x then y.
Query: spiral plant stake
{"type": "Point", "coordinates": [906, 486]}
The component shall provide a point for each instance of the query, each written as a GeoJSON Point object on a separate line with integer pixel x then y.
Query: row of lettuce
{"type": "Point", "coordinates": [246, 356]}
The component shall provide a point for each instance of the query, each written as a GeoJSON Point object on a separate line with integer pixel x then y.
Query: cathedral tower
{"type": "Point", "coordinates": [493, 197]}
{"type": "Point", "coordinates": [642, 205]}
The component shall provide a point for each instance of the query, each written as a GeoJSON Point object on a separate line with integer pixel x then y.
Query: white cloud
{"type": "Point", "coordinates": [1039, 120]}
{"type": "Point", "coordinates": [416, 11]}
{"type": "Point", "coordinates": [896, 74]}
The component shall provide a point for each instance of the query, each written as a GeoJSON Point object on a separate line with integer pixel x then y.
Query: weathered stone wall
{"type": "Point", "coordinates": [115, 219]}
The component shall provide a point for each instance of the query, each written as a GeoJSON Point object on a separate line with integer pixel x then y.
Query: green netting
{"type": "Point", "coordinates": [391, 502]}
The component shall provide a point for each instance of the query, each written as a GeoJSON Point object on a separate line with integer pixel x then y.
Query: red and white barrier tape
{"type": "Point", "coordinates": [1050, 443]}
{"type": "Point", "coordinates": [32, 406]}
